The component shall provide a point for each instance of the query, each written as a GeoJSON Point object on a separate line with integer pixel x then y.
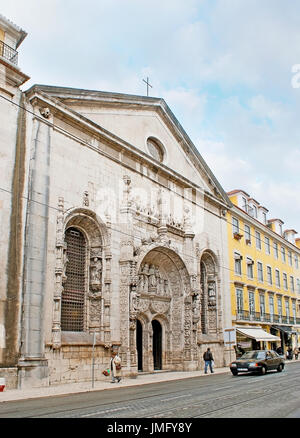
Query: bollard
{"type": "Point", "coordinates": [2, 384]}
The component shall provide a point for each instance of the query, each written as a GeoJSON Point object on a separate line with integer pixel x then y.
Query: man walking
{"type": "Point", "coordinates": [208, 358]}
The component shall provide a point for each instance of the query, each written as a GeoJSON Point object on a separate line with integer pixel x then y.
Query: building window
{"type": "Point", "coordinates": [277, 278]}
{"type": "Point", "coordinates": [237, 263]}
{"type": "Point", "coordinates": [279, 306]}
{"type": "Point", "coordinates": [275, 250]}
{"type": "Point", "coordinates": [239, 302]}
{"type": "Point", "coordinates": [250, 268]}
{"type": "Point", "coordinates": [264, 218]}
{"type": "Point", "coordinates": [235, 226]}
{"type": "Point", "coordinates": [269, 274]}
{"type": "Point", "coordinates": [244, 203]}
{"type": "Point", "coordinates": [260, 275]}
{"type": "Point", "coordinates": [247, 234]}
{"type": "Point", "coordinates": [287, 308]}
{"type": "Point", "coordinates": [267, 245]}
{"type": "Point", "coordinates": [290, 258]}
{"type": "Point", "coordinates": [294, 310]}
{"type": "Point", "coordinates": [298, 285]}
{"type": "Point", "coordinates": [285, 285]}
{"type": "Point", "coordinates": [262, 305]}
{"type": "Point", "coordinates": [155, 149]}
{"type": "Point", "coordinates": [292, 283]}
{"type": "Point", "coordinates": [254, 211]}
{"type": "Point", "coordinates": [251, 303]}
{"type": "Point", "coordinates": [73, 295]}
{"type": "Point", "coordinates": [271, 306]}
{"type": "Point", "coordinates": [283, 254]}
{"type": "Point", "coordinates": [258, 239]}
{"type": "Point", "coordinates": [296, 261]}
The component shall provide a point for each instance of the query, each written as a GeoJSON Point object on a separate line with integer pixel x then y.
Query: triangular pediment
{"type": "Point", "coordinates": [135, 120]}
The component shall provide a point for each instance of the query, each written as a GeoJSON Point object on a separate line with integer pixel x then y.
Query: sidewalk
{"type": "Point", "coordinates": [73, 388]}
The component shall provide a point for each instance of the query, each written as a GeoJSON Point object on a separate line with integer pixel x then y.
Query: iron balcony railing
{"type": "Point", "coordinates": [245, 315]}
{"type": "Point", "coordinates": [8, 53]}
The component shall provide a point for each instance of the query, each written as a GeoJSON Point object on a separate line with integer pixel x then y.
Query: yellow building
{"type": "Point", "coordinates": [264, 266]}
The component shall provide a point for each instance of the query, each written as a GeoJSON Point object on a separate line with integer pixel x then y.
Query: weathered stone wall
{"type": "Point", "coordinates": [11, 377]}
{"type": "Point", "coordinates": [73, 363]}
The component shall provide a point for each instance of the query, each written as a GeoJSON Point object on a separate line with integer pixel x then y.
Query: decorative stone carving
{"type": "Point", "coordinates": [60, 276]}
{"type": "Point", "coordinates": [45, 112]}
{"type": "Point", "coordinates": [127, 201]}
{"type": "Point", "coordinates": [150, 281]}
{"type": "Point", "coordinates": [64, 262]}
{"type": "Point", "coordinates": [196, 308]}
{"type": "Point", "coordinates": [160, 306]}
{"type": "Point", "coordinates": [95, 274]}
{"type": "Point", "coordinates": [212, 294]}
{"type": "Point", "coordinates": [85, 200]}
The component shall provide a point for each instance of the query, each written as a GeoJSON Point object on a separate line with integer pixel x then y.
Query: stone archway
{"type": "Point", "coordinates": [163, 294]}
{"type": "Point", "coordinates": [97, 261]}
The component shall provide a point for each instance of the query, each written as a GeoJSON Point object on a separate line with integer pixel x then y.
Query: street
{"type": "Point", "coordinates": [275, 395]}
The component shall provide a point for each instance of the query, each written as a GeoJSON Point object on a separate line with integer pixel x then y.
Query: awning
{"type": "Point", "coordinates": [285, 329]}
{"type": "Point", "coordinates": [258, 334]}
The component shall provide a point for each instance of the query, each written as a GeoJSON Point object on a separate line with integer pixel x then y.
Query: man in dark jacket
{"type": "Point", "coordinates": [208, 358]}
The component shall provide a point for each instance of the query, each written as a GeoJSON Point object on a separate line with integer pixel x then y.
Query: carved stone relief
{"type": "Point", "coordinates": [152, 281]}
{"type": "Point", "coordinates": [98, 302]}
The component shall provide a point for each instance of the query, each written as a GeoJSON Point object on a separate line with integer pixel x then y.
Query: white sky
{"type": "Point", "coordinates": [224, 68]}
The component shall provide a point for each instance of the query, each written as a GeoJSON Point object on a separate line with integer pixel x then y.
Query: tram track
{"type": "Point", "coordinates": [197, 399]}
{"type": "Point", "coordinates": [243, 399]}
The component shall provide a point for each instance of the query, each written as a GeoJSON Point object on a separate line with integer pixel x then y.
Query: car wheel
{"type": "Point", "coordinates": [235, 373]}
{"type": "Point", "coordinates": [280, 368]}
{"type": "Point", "coordinates": [263, 370]}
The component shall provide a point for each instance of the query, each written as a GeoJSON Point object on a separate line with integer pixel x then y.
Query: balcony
{"type": "Point", "coordinates": [245, 315]}
{"type": "Point", "coordinates": [8, 53]}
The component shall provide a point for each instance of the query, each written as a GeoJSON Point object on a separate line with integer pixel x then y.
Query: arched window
{"type": "Point", "coordinates": [208, 299]}
{"type": "Point", "coordinates": [155, 149]}
{"type": "Point", "coordinates": [73, 295]}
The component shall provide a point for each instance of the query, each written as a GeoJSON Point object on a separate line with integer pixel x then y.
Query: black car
{"type": "Point", "coordinates": [259, 361]}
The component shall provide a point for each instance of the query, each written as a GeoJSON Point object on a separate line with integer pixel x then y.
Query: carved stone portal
{"type": "Point", "coordinates": [161, 292]}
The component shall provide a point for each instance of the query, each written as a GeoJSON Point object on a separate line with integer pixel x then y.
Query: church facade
{"type": "Point", "coordinates": [119, 229]}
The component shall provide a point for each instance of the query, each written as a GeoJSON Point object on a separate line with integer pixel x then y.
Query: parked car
{"type": "Point", "coordinates": [259, 361]}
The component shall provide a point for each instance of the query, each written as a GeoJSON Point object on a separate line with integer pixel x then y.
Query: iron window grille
{"type": "Point", "coordinates": [73, 296]}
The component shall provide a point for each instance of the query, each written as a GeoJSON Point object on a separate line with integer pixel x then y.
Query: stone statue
{"type": "Point", "coordinates": [152, 277]}
{"type": "Point", "coordinates": [96, 274]}
{"type": "Point", "coordinates": [145, 274]}
{"type": "Point", "coordinates": [211, 293]}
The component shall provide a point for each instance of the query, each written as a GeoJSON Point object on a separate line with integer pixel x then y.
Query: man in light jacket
{"type": "Point", "coordinates": [208, 358]}
{"type": "Point", "coordinates": [115, 367]}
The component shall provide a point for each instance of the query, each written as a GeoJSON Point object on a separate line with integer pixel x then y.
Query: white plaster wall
{"type": "Point", "coordinates": [135, 126]}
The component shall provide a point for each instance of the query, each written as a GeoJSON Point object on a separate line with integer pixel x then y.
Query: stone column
{"type": "Point", "coordinates": [33, 367]}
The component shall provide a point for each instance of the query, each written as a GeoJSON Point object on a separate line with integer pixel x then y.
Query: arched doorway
{"type": "Point", "coordinates": [139, 344]}
{"type": "Point", "coordinates": [157, 345]}
{"type": "Point", "coordinates": [158, 301]}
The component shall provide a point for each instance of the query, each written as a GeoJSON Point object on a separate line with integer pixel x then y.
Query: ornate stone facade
{"type": "Point", "coordinates": [149, 279]}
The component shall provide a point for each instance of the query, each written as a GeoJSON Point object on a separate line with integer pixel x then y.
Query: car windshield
{"type": "Point", "coordinates": [253, 355]}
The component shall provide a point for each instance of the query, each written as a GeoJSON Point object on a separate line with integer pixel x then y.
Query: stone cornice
{"type": "Point", "coordinates": [68, 115]}
{"type": "Point", "coordinates": [71, 95]}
